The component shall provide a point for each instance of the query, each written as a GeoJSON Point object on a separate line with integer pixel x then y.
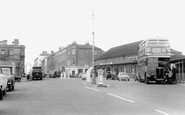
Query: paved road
{"type": "Point", "coordinates": [73, 97]}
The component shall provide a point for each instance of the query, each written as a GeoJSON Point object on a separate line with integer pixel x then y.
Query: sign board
{"type": "Point", "coordinates": [100, 76]}
{"type": "Point", "coordinates": [88, 75]}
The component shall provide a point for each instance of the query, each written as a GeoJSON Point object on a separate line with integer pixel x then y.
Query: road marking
{"type": "Point", "coordinates": [92, 88]}
{"type": "Point", "coordinates": [121, 98]}
{"type": "Point", "coordinates": [162, 112]}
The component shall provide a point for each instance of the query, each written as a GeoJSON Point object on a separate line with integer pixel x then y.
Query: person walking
{"type": "Point", "coordinates": [174, 74]}
{"type": "Point", "coordinates": [28, 77]}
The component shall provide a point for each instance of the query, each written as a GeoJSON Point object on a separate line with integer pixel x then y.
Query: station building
{"type": "Point", "coordinates": [178, 59]}
{"type": "Point", "coordinates": [120, 59]}
{"type": "Point", "coordinates": [124, 59]}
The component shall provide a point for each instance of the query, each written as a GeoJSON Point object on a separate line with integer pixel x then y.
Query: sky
{"type": "Point", "coordinates": [46, 25]}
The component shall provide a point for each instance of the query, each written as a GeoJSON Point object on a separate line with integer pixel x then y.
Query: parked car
{"type": "Point", "coordinates": [3, 85]}
{"type": "Point", "coordinates": [18, 78]}
{"type": "Point", "coordinates": [7, 72]}
{"type": "Point", "coordinates": [111, 75]}
{"type": "Point", "coordinates": [108, 75]}
{"type": "Point", "coordinates": [83, 76]}
{"type": "Point", "coordinates": [123, 76]}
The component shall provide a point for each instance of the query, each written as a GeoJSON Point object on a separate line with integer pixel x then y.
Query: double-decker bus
{"type": "Point", "coordinates": [153, 60]}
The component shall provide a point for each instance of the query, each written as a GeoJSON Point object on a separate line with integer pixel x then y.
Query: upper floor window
{"type": "Point", "coordinates": [95, 52]}
{"type": "Point", "coordinates": [17, 51]}
{"type": "Point", "coordinates": [2, 51]}
{"type": "Point", "coordinates": [73, 51]}
{"type": "Point", "coordinates": [73, 61]}
{"type": "Point", "coordinates": [11, 52]}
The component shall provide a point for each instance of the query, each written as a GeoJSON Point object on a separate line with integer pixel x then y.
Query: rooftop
{"type": "Point", "coordinates": [120, 51]}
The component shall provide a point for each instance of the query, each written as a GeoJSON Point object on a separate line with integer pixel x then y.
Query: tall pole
{"type": "Point", "coordinates": [93, 70]}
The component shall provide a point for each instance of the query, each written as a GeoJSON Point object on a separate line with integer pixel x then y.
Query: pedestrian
{"type": "Point", "coordinates": [174, 74]}
{"type": "Point", "coordinates": [28, 77]}
{"type": "Point", "coordinates": [169, 76]}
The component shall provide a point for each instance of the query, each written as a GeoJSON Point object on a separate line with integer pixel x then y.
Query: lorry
{"type": "Point", "coordinates": [37, 72]}
{"type": "Point", "coordinates": [7, 69]}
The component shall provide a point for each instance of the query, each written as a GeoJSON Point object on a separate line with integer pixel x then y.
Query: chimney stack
{"type": "Point", "coordinates": [4, 42]}
{"type": "Point", "coordinates": [52, 52]}
{"type": "Point", "coordinates": [16, 42]}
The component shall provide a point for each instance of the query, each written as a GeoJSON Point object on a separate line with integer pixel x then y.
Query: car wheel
{"type": "Point", "coordinates": [13, 87]}
{"type": "Point", "coordinates": [1, 94]}
{"type": "Point", "coordinates": [10, 88]}
{"type": "Point", "coordinates": [5, 91]}
{"type": "Point", "coordinates": [19, 80]}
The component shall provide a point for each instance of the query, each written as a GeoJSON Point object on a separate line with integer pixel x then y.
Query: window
{"type": "Point", "coordinates": [73, 51]}
{"type": "Point", "coordinates": [11, 52]}
{"type": "Point", "coordinates": [2, 51]}
{"type": "Point", "coordinates": [95, 52]}
{"type": "Point", "coordinates": [73, 61]}
{"type": "Point", "coordinates": [16, 51]}
{"type": "Point", "coordinates": [6, 71]}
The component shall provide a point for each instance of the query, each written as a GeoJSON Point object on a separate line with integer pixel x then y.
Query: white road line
{"type": "Point", "coordinates": [164, 113]}
{"type": "Point", "coordinates": [121, 98]}
{"type": "Point", "coordinates": [92, 88]}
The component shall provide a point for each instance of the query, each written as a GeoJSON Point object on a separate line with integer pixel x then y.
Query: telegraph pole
{"type": "Point", "coordinates": [93, 70]}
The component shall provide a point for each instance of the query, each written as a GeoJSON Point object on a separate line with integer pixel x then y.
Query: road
{"type": "Point", "coordinates": [57, 96]}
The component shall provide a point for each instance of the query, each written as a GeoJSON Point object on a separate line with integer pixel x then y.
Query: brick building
{"type": "Point", "coordinates": [13, 52]}
{"type": "Point", "coordinates": [40, 58]}
{"type": "Point", "coordinates": [73, 59]}
{"type": "Point", "coordinates": [51, 63]}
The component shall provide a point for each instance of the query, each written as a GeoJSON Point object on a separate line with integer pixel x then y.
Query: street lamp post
{"type": "Point", "coordinates": [93, 70]}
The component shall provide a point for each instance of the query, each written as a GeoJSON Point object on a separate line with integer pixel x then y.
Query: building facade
{"type": "Point", "coordinates": [120, 59]}
{"type": "Point", "coordinates": [51, 63]}
{"type": "Point", "coordinates": [40, 58]}
{"type": "Point", "coordinates": [73, 59]}
{"type": "Point", "coordinates": [124, 59]}
{"type": "Point", "coordinates": [178, 59]}
{"type": "Point", "coordinates": [13, 52]}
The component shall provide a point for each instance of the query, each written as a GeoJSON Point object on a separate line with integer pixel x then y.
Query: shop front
{"type": "Point", "coordinates": [125, 64]}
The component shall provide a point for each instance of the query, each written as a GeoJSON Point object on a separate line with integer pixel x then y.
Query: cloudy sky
{"type": "Point", "coordinates": [50, 24]}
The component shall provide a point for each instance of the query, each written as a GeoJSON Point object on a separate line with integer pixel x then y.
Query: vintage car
{"type": "Point", "coordinates": [3, 85]}
{"type": "Point", "coordinates": [123, 76]}
{"type": "Point", "coordinates": [83, 76]}
{"type": "Point", "coordinates": [7, 72]}
{"type": "Point", "coordinates": [111, 75]}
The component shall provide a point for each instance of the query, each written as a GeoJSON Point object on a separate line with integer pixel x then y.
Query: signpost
{"type": "Point", "coordinates": [100, 76]}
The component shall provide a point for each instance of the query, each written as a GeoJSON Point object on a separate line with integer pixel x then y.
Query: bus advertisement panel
{"type": "Point", "coordinates": [153, 60]}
